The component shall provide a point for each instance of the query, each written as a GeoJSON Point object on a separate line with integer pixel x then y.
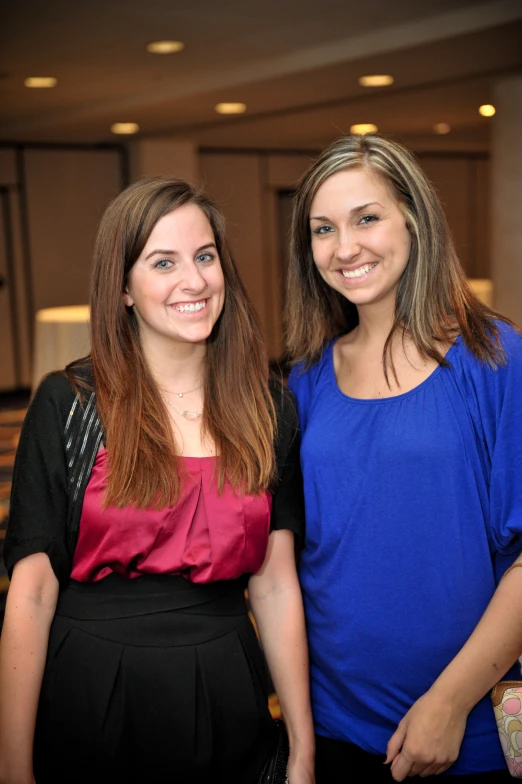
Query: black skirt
{"type": "Point", "coordinates": [153, 679]}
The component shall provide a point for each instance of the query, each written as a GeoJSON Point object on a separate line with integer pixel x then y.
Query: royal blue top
{"type": "Point", "coordinates": [413, 512]}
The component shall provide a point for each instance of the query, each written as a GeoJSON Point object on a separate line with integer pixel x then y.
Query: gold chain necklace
{"type": "Point", "coordinates": [187, 414]}
{"type": "Point", "coordinates": [180, 394]}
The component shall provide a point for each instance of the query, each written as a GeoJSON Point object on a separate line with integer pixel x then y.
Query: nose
{"type": "Point", "coordinates": [191, 277]}
{"type": "Point", "coordinates": [348, 246]}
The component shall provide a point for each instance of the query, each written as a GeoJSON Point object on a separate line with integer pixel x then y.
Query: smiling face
{"type": "Point", "coordinates": [360, 241]}
{"type": "Point", "coordinates": [176, 287]}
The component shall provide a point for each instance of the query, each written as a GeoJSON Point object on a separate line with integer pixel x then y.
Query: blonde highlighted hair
{"type": "Point", "coordinates": [434, 299]}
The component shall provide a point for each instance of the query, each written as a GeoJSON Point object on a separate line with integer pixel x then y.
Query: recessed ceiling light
{"type": "Point", "coordinates": [376, 80]}
{"type": "Point", "coordinates": [487, 110]}
{"type": "Point", "coordinates": [442, 128]}
{"type": "Point", "coordinates": [165, 47]}
{"type": "Point", "coordinates": [40, 81]}
{"type": "Point", "coordinates": [362, 128]}
{"type": "Point", "coordinates": [230, 108]}
{"type": "Point", "coordinates": [125, 127]}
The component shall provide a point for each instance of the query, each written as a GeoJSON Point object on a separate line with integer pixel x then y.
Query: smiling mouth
{"type": "Point", "coordinates": [359, 272]}
{"type": "Point", "coordinates": [191, 307]}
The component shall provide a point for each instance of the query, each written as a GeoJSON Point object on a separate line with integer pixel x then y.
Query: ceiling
{"type": "Point", "coordinates": [295, 63]}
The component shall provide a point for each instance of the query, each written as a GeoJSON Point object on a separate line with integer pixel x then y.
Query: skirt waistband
{"type": "Point", "coordinates": [119, 597]}
{"type": "Point", "coordinates": [152, 612]}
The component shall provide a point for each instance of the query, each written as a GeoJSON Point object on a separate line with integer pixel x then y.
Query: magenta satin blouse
{"type": "Point", "coordinates": [205, 537]}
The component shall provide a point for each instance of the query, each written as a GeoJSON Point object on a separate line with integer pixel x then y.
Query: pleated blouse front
{"type": "Point", "coordinates": [205, 537]}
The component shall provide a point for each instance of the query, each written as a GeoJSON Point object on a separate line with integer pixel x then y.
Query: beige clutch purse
{"type": "Point", "coordinates": [506, 697]}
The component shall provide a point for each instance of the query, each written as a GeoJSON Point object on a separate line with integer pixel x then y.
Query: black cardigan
{"type": "Point", "coordinates": [58, 445]}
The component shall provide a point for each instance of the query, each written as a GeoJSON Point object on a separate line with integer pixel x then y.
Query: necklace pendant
{"type": "Point", "coordinates": [180, 394]}
{"type": "Point", "coordinates": [191, 414]}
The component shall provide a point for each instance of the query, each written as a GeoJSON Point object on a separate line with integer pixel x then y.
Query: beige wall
{"type": "Point", "coordinates": [246, 185]}
{"type": "Point", "coordinates": [163, 157]}
{"type": "Point", "coordinates": [462, 185]}
{"type": "Point", "coordinates": [237, 184]}
{"type": "Point", "coordinates": [506, 198]}
{"type": "Point", "coordinates": [67, 190]}
{"type": "Point", "coordinates": [56, 198]}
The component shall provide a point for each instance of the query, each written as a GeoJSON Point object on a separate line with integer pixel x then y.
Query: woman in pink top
{"type": "Point", "coordinates": [155, 481]}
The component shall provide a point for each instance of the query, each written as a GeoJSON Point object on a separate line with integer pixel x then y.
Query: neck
{"type": "Point", "coordinates": [375, 323]}
{"type": "Point", "coordinates": [179, 368]}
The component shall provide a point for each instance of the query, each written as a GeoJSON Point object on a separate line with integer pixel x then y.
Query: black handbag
{"type": "Point", "coordinates": [274, 769]}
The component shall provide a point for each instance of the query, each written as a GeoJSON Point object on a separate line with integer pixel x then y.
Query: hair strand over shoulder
{"type": "Point", "coordinates": [435, 302]}
{"type": "Point", "coordinates": [239, 413]}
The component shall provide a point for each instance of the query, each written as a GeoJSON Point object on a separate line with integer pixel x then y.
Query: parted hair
{"type": "Point", "coordinates": [434, 299]}
{"type": "Point", "coordinates": [239, 412]}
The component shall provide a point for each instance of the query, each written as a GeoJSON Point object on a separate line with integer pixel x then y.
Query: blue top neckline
{"type": "Point", "coordinates": [390, 398]}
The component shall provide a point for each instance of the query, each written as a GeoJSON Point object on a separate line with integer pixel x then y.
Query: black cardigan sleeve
{"type": "Point", "coordinates": [38, 506]}
{"type": "Point", "coordinates": [287, 488]}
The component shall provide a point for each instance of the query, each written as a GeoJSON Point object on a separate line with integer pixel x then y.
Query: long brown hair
{"type": "Point", "coordinates": [434, 299]}
{"type": "Point", "coordinates": [239, 412]}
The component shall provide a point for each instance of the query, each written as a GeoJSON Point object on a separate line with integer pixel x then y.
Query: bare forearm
{"type": "Point", "coordinates": [23, 651]}
{"type": "Point", "coordinates": [428, 738]}
{"type": "Point", "coordinates": [492, 649]}
{"type": "Point", "coordinates": [279, 617]}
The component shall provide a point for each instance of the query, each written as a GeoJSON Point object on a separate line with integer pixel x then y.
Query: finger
{"type": "Point", "coordinates": [395, 744]}
{"type": "Point", "coordinates": [432, 769]}
{"type": "Point", "coordinates": [424, 769]}
{"type": "Point", "coordinates": [440, 769]}
{"type": "Point", "coordinates": [420, 770]}
{"type": "Point", "coordinates": [415, 767]}
{"type": "Point", "coordinates": [401, 767]}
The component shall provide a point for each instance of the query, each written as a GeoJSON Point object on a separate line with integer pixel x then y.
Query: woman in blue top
{"type": "Point", "coordinates": [408, 391]}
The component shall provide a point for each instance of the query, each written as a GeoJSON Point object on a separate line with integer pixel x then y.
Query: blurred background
{"type": "Point", "coordinates": [74, 75]}
{"type": "Point", "coordinates": [240, 96]}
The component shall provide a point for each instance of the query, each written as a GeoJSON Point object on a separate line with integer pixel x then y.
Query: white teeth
{"type": "Point", "coordinates": [359, 271]}
{"type": "Point", "coordinates": [193, 307]}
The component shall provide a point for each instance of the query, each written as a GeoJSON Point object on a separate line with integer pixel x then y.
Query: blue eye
{"type": "Point", "coordinates": [323, 230]}
{"type": "Point", "coordinates": [205, 258]}
{"type": "Point", "coordinates": [163, 264]}
{"type": "Point", "coordinates": [368, 219]}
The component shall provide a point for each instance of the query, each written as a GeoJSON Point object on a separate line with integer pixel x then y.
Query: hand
{"type": "Point", "coordinates": [428, 739]}
{"type": "Point", "coordinates": [300, 769]}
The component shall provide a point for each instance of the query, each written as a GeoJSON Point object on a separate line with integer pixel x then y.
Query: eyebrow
{"type": "Point", "coordinates": [174, 252]}
{"type": "Point", "coordinates": [353, 211]}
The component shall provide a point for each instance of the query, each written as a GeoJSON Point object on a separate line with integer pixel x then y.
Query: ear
{"type": "Point", "coordinates": [127, 299]}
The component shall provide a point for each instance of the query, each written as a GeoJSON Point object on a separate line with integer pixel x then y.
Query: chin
{"type": "Point", "coordinates": [359, 297]}
{"type": "Point", "coordinates": [200, 337]}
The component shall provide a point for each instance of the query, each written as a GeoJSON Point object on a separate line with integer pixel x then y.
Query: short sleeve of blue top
{"type": "Point", "coordinates": [413, 511]}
